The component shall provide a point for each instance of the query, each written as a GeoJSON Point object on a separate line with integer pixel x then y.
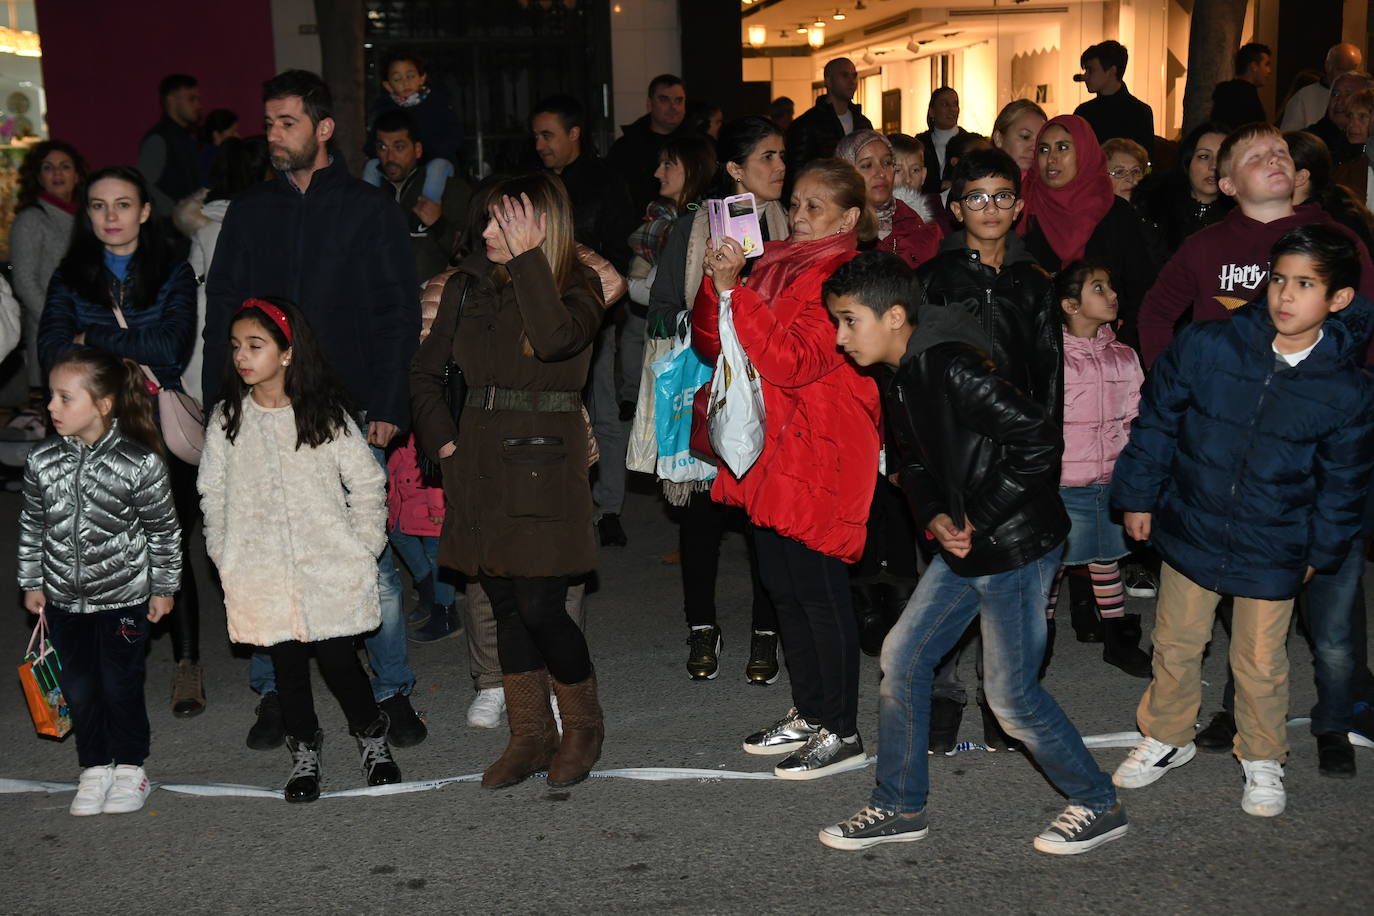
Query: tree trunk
{"type": "Point", "coordinates": [1213, 37]}
{"type": "Point", "coordinates": [341, 52]}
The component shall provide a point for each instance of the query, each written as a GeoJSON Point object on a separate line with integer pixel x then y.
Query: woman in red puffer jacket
{"type": "Point", "coordinates": [808, 493]}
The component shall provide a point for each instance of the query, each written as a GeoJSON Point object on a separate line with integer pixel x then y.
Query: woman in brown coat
{"type": "Point", "coordinates": [519, 319]}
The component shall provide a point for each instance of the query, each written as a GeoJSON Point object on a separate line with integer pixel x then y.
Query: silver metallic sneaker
{"type": "Point", "coordinates": [823, 755]}
{"type": "Point", "coordinates": [782, 737]}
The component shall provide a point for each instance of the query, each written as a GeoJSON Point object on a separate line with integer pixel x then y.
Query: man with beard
{"type": "Point", "coordinates": [339, 249]}
{"type": "Point", "coordinates": [434, 224]}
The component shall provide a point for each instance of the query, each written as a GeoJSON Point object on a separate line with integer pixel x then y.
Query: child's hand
{"type": "Point", "coordinates": [1311, 571]}
{"type": "Point", "coordinates": [1137, 525]}
{"type": "Point", "coordinates": [159, 606]}
{"type": "Point", "coordinates": [35, 601]}
{"type": "Point", "coordinates": [523, 228]}
{"type": "Point", "coordinates": [436, 519]}
{"type": "Point", "coordinates": [957, 541]}
{"type": "Point", "coordinates": [428, 211]}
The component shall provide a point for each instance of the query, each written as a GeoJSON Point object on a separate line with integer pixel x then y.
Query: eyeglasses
{"type": "Point", "coordinates": [1135, 173]}
{"type": "Point", "coordinates": [979, 200]}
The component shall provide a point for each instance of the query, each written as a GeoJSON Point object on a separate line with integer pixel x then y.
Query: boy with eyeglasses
{"type": "Point", "coordinates": [985, 270]}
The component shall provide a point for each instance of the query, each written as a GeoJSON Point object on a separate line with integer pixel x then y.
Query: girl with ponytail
{"type": "Point", "coordinates": [99, 561]}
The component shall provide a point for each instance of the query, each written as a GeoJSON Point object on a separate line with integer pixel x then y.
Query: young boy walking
{"type": "Point", "coordinates": [1247, 469]}
{"type": "Point", "coordinates": [979, 463]}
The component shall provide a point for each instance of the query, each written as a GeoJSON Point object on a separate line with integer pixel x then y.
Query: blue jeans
{"type": "Point", "coordinates": [386, 648]}
{"type": "Point", "coordinates": [1329, 606]}
{"type": "Point", "coordinates": [1012, 609]}
{"type": "Point", "coordinates": [420, 554]}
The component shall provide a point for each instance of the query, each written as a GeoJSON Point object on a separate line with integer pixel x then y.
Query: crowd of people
{"type": "Point", "coordinates": [977, 387]}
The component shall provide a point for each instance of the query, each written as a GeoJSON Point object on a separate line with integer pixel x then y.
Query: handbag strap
{"type": "Point", "coordinates": [119, 316]}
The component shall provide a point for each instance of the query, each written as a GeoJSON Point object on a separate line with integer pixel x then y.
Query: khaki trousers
{"type": "Point", "coordinates": [1259, 660]}
{"type": "Point", "coordinates": [483, 663]}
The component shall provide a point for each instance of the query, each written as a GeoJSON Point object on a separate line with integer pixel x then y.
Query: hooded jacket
{"type": "Point", "coordinates": [1102, 379]}
{"type": "Point", "coordinates": [98, 530]}
{"type": "Point", "coordinates": [1014, 306]}
{"type": "Point", "coordinates": [973, 446]}
{"type": "Point", "coordinates": [1252, 469]}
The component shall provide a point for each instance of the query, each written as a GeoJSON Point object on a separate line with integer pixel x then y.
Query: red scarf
{"type": "Point", "coordinates": [68, 206]}
{"type": "Point", "coordinates": [783, 262]}
{"type": "Point", "coordinates": [1068, 216]}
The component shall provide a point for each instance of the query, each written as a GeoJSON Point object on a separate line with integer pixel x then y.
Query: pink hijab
{"type": "Point", "coordinates": [1068, 216]}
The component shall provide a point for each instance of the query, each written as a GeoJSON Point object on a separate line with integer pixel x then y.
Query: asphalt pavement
{"type": "Point", "coordinates": [703, 844]}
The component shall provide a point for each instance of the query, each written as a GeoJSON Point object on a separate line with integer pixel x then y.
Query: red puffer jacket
{"type": "Point", "coordinates": [814, 481]}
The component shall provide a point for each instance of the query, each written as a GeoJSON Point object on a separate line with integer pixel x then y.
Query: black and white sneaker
{"type": "Point", "coordinates": [1149, 760]}
{"type": "Point", "coordinates": [783, 736]}
{"type": "Point", "coordinates": [1140, 582]}
{"type": "Point", "coordinates": [823, 755]}
{"type": "Point", "coordinates": [1079, 829]}
{"type": "Point", "coordinates": [873, 826]}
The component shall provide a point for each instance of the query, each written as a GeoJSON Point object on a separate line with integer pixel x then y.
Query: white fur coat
{"type": "Point", "coordinates": [295, 533]}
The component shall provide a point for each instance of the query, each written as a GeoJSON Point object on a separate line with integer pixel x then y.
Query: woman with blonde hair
{"type": "Point", "coordinates": [808, 493]}
{"type": "Point", "coordinates": [1015, 130]}
{"type": "Point", "coordinates": [518, 320]}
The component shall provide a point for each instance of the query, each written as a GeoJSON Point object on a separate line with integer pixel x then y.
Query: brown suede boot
{"type": "Point", "coordinates": [583, 731]}
{"type": "Point", "coordinates": [533, 736]}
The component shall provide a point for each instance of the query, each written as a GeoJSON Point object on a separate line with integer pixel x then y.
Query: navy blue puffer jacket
{"type": "Point", "coordinates": [1253, 470]}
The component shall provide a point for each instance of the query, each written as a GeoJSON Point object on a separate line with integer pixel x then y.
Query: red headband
{"type": "Point", "coordinates": [271, 311]}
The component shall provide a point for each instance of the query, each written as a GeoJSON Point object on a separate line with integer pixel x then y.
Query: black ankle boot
{"type": "Point", "coordinates": [1121, 650]}
{"type": "Point", "coordinates": [994, 738]}
{"type": "Point", "coordinates": [945, 716]}
{"type": "Point", "coordinates": [378, 766]}
{"type": "Point", "coordinates": [269, 729]}
{"type": "Point", "coordinates": [868, 612]}
{"type": "Point", "coordinates": [1082, 608]}
{"type": "Point", "coordinates": [304, 782]}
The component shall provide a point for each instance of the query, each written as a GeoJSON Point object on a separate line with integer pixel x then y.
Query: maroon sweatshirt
{"type": "Point", "coordinates": [1223, 267]}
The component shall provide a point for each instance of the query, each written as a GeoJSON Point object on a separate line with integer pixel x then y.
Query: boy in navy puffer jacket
{"type": "Point", "coordinates": [1248, 468]}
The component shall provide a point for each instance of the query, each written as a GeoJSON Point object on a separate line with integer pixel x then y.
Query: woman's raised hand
{"type": "Point", "coordinates": [723, 264]}
{"type": "Point", "coordinates": [521, 226]}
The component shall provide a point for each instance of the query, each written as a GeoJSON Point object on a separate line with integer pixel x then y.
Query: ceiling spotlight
{"type": "Point", "coordinates": [801, 28]}
{"type": "Point", "coordinates": [859, 6]}
{"type": "Point", "coordinates": [839, 16]}
{"type": "Point", "coordinates": [819, 23]}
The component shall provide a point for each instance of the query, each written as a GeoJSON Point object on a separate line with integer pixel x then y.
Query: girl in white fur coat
{"type": "Point", "coordinates": [295, 516]}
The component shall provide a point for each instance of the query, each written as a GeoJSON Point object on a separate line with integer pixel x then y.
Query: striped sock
{"type": "Point", "coordinates": [1054, 593]}
{"type": "Point", "coordinates": [1107, 589]}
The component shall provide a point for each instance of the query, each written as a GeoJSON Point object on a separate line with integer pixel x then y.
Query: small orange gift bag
{"type": "Point", "coordinates": [39, 675]}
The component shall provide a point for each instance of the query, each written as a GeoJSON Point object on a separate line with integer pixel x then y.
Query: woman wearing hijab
{"type": "Point", "coordinates": [901, 230]}
{"type": "Point", "coordinates": [1071, 213]}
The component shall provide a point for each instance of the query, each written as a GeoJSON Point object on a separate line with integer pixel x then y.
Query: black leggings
{"type": "Point", "coordinates": [820, 637]}
{"type": "Point", "coordinates": [343, 674]}
{"type": "Point", "coordinates": [184, 621]}
{"type": "Point", "coordinates": [701, 525]}
{"type": "Point", "coordinates": [533, 629]}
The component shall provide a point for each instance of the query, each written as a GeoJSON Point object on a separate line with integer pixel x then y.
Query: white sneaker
{"type": "Point", "coordinates": [91, 790]}
{"type": "Point", "coordinates": [1149, 760]}
{"type": "Point", "coordinates": [1264, 795]}
{"type": "Point", "coordinates": [486, 708]}
{"type": "Point", "coordinates": [129, 792]}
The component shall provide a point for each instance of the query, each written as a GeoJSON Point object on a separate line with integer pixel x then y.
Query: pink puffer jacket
{"type": "Point", "coordinates": [1102, 378]}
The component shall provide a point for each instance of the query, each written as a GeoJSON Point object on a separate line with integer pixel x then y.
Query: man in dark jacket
{"type": "Point", "coordinates": [816, 132]}
{"type": "Point", "coordinates": [338, 248]}
{"type": "Point", "coordinates": [1236, 101]}
{"type": "Point", "coordinates": [603, 218]}
{"type": "Point", "coordinates": [635, 155]}
{"type": "Point", "coordinates": [1115, 112]}
{"type": "Point", "coordinates": [434, 224]}
{"type": "Point", "coordinates": [168, 155]}
{"type": "Point", "coordinates": [979, 462]}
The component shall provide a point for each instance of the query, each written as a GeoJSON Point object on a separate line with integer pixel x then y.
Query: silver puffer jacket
{"type": "Point", "coordinates": [98, 529]}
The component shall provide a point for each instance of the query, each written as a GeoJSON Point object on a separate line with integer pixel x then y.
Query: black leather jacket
{"type": "Point", "coordinates": [974, 447]}
{"type": "Point", "coordinates": [1016, 309]}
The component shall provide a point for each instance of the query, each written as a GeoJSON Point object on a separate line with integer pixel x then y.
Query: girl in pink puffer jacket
{"type": "Point", "coordinates": [1102, 379]}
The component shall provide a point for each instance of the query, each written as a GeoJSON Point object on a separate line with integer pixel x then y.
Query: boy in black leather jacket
{"type": "Point", "coordinates": [985, 270]}
{"type": "Point", "coordinates": [980, 466]}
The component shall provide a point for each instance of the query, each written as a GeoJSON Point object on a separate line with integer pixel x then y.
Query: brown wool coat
{"type": "Point", "coordinates": [515, 509]}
